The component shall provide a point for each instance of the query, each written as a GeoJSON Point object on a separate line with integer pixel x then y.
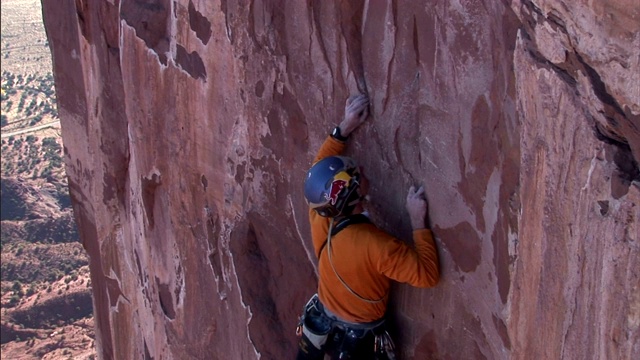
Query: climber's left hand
{"type": "Point", "coordinates": [356, 111]}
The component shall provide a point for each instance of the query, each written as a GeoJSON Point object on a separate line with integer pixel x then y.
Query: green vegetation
{"type": "Point", "coordinates": [35, 159]}
{"type": "Point", "coordinates": [40, 264]}
{"type": "Point", "coordinates": [52, 152]}
{"type": "Point", "coordinates": [35, 95]}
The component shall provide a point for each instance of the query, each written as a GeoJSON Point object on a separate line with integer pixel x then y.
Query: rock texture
{"type": "Point", "coordinates": [188, 127]}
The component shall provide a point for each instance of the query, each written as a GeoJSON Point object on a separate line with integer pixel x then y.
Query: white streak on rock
{"type": "Point", "coordinates": [302, 238]}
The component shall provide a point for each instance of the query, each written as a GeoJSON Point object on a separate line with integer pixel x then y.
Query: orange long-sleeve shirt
{"type": "Point", "coordinates": [367, 259]}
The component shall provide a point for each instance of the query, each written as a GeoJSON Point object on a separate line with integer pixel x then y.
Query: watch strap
{"type": "Point", "coordinates": [336, 134]}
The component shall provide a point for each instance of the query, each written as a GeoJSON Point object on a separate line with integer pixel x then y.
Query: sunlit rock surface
{"type": "Point", "coordinates": [188, 127]}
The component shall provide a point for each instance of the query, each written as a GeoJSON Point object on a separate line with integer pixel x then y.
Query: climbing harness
{"type": "Point", "coordinates": [384, 348]}
{"type": "Point", "coordinates": [323, 330]}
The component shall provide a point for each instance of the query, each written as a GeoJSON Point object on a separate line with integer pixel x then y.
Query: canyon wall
{"type": "Point", "coordinates": [189, 125]}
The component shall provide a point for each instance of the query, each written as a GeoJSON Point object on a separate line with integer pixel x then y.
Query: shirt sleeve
{"type": "Point", "coordinates": [320, 224]}
{"type": "Point", "coordinates": [330, 147]}
{"type": "Point", "coordinates": [417, 266]}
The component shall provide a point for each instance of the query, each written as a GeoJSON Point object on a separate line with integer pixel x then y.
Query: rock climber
{"type": "Point", "coordinates": [356, 261]}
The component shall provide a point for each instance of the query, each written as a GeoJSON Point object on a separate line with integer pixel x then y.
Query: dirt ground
{"type": "Point", "coordinates": [25, 49]}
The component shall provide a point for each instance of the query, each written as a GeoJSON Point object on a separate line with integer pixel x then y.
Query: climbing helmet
{"type": "Point", "coordinates": [332, 187]}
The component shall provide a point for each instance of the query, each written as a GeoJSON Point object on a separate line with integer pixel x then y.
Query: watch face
{"type": "Point", "coordinates": [336, 134]}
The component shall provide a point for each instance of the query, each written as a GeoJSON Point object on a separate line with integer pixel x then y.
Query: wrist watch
{"type": "Point", "coordinates": [337, 135]}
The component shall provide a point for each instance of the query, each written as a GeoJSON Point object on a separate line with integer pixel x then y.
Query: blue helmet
{"type": "Point", "coordinates": [332, 187]}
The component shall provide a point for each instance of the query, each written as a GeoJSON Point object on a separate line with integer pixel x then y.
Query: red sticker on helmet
{"type": "Point", "coordinates": [336, 187]}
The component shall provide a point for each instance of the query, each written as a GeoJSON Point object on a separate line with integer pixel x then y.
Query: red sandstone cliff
{"type": "Point", "coordinates": [188, 127]}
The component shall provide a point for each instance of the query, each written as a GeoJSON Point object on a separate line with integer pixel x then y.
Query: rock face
{"type": "Point", "coordinates": [189, 125]}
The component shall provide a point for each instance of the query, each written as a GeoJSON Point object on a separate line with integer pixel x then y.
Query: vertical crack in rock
{"type": "Point", "coordinates": [350, 18]}
{"type": "Point", "coordinates": [502, 330]}
{"type": "Point", "coordinates": [82, 11]}
{"type": "Point", "coordinates": [212, 224]}
{"type": "Point", "coordinates": [204, 182]}
{"type": "Point", "coordinates": [531, 13]}
{"type": "Point", "coordinates": [178, 283]}
{"type": "Point", "coordinates": [150, 19]}
{"type": "Point", "coordinates": [416, 46]}
{"type": "Point", "coordinates": [166, 299]}
{"type": "Point", "coordinates": [147, 355]}
{"type": "Point", "coordinates": [389, 65]}
{"type": "Point", "coordinates": [199, 24]}
{"type": "Point", "coordinates": [139, 267]}
{"type": "Point", "coordinates": [225, 10]}
{"type": "Point", "coordinates": [149, 196]}
{"type": "Point", "coordinates": [616, 118]}
{"type": "Point", "coordinates": [256, 283]}
{"type": "Point", "coordinates": [316, 28]}
{"type": "Point", "coordinates": [613, 111]}
{"type": "Point", "coordinates": [191, 62]}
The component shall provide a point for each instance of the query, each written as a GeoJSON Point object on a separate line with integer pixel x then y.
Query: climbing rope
{"type": "Point", "coordinates": [338, 275]}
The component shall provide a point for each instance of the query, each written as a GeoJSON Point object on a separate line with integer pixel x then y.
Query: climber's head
{"type": "Point", "coordinates": [334, 186]}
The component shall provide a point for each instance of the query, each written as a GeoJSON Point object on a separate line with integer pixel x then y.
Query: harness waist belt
{"type": "Point", "coordinates": [348, 324]}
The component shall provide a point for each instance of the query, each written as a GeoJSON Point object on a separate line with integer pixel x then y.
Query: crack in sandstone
{"type": "Point", "coordinates": [351, 15]}
{"type": "Point", "coordinates": [568, 70]}
{"type": "Point", "coordinates": [316, 29]}
{"type": "Point", "coordinates": [225, 10]}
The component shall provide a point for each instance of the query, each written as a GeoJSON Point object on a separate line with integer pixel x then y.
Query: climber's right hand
{"type": "Point", "coordinates": [417, 207]}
